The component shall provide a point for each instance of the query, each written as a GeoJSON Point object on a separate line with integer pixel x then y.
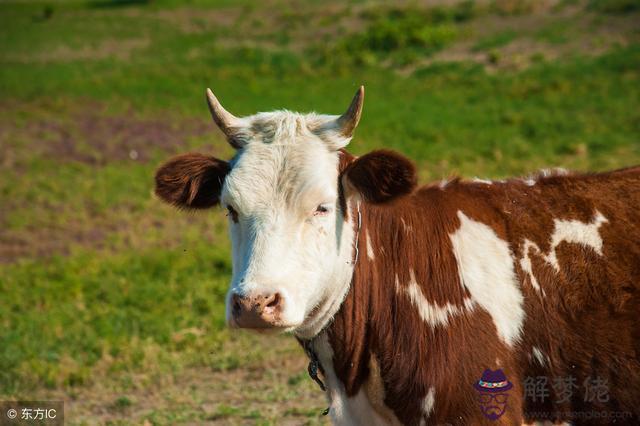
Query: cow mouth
{"type": "Point", "coordinates": [265, 328]}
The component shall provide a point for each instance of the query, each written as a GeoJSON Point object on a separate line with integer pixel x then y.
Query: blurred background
{"type": "Point", "coordinates": [113, 301]}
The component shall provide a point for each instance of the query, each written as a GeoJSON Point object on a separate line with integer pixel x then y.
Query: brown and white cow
{"type": "Point", "coordinates": [407, 295]}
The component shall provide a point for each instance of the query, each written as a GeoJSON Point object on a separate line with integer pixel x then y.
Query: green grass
{"type": "Point", "coordinates": [114, 293]}
{"type": "Point", "coordinates": [67, 314]}
{"type": "Point", "coordinates": [411, 30]}
{"type": "Point", "coordinates": [615, 6]}
{"type": "Point", "coordinates": [554, 33]}
{"type": "Point", "coordinates": [496, 40]}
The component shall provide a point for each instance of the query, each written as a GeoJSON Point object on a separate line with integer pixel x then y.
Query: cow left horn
{"type": "Point", "coordinates": [223, 118]}
{"type": "Point", "coordinates": [348, 121]}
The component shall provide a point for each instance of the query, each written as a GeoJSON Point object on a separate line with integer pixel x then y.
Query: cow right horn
{"type": "Point", "coordinates": [225, 121]}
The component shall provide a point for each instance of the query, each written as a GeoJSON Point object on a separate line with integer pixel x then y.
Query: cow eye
{"type": "Point", "coordinates": [232, 213]}
{"type": "Point", "coordinates": [322, 210]}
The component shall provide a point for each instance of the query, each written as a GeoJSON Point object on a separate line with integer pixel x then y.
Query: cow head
{"type": "Point", "coordinates": [287, 193]}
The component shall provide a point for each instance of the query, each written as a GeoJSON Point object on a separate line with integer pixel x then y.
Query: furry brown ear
{"type": "Point", "coordinates": [191, 181]}
{"type": "Point", "coordinates": [379, 176]}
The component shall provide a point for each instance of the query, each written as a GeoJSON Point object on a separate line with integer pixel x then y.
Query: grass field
{"type": "Point", "coordinates": [113, 301]}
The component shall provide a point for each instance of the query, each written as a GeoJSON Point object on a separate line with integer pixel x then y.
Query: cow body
{"type": "Point", "coordinates": [460, 303]}
{"type": "Point", "coordinates": [539, 277]}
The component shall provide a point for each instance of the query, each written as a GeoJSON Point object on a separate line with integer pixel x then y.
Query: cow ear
{"type": "Point", "coordinates": [379, 177]}
{"type": "Point", "coordinates": [191, 181]}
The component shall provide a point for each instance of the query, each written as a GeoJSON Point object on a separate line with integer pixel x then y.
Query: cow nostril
{"type": "Point", "coordinates": [236, 307]}
{"type": "Point", "coordinates": [274, 301]}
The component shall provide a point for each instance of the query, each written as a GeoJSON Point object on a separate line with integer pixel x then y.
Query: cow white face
{"type": "Point", "coordinates": [291, 250]}
{"type": "Point", "coordinates": [292, 244]}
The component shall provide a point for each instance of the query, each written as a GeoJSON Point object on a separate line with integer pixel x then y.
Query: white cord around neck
{"type": "Point", "coordinates": [355, 260]}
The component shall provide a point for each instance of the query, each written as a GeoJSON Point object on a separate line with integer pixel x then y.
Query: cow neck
{"type": "Point", "coordinates": [357, 211]}
{"type": "Point", "coordinates": [362, 331]}
{"type": "Point", "coordinates": [350, 330]}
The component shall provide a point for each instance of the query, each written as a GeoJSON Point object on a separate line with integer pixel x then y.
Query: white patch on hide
{"type": "Point", "coordinates": [370, 253]}
{"type": "Point", "coordinates": [531, 180]}
{"type": "Point", "coordinates": [484, 181]}
{"type": "Point", "coordinates": [429, 401]}
{"type": "Point", "coordinates": [407, 228]}
{"type": "Point", "coordinates": [431, 313]}
{"type": "Point", "coordinates": [553, 171]}
{"type": "Point", "coordinates": [344, 411]}
{"type": "Point", "coordinates": [539, 356]}
{"type": "Point", "coordinates": [573, 231]}
{"type": "Point", "coordinates": [570, 231]}
{"type": "Point", "coordinates": [485, 267]}
{"type": "Point", "coordinates": [525, 263]}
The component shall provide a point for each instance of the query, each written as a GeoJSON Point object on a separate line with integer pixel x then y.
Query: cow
{"type": "Point", "coordinates": [461, 302]}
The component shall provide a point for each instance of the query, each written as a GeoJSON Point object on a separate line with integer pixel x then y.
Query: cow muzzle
{"type": "Point", "coordinates": [256, 311]}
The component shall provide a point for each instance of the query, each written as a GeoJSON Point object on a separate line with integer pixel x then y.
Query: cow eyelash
{"type": "Point", "coordinates": [232, 213]}
{"type": "Point", "coordinates": [322, 210]}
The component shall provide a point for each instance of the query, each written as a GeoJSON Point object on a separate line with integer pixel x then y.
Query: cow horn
{"type": "Point", "coordinates": [223, 118]}
{"type": "Point", "coordinates": [348, 121]}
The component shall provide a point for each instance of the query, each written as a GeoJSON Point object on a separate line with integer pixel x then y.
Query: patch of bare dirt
{"type": "Point", "coordinates": [43, 242]}
{"type": "Point", "coordinates": [160, 227]}
{"type": "Point", "coordinates": [118, 49]}
{"type": "Point", "coordinates": [276, 388]}
{"type": "Point", "coordinates": [195, 21]}
{"type": "Point", "coordinates": [90, 135]}
{"type": "Point", "coordinates": [186, 19]}
{"type": "Point", "coordinates": [87, 134]}
{"type": "Point", "coordinates": [586, 33]}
